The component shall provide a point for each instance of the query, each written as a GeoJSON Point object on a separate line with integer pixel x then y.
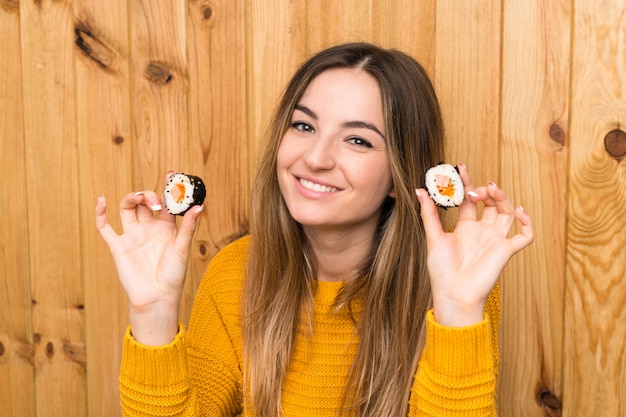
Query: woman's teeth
{"type": "Point", "coordinates": [317, 187]}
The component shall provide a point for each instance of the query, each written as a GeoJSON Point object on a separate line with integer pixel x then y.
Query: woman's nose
{"type": "Point", "coordinates": [321, 154]}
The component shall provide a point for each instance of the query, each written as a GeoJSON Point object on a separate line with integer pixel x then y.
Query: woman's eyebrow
{"type": "Point", "coordinates": [365, 125]}
{"type": "Point", "coordinates": [353, 123]}
{"type": "Point", "coordinates": [306, 110]}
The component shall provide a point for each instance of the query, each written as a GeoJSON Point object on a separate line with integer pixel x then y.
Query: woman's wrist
{"type": "Point", "coordinates": [453, 313]}
{"type": "Point", "coordinates": [156, 325]}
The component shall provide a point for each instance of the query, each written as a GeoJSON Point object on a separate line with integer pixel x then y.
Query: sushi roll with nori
{"type": "Point", "coordinates": [183, 192]}
{"type": "Point", "coordinates": [444, 185]}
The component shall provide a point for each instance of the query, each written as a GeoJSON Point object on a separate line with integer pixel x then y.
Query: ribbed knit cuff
{"type": "Point", "coordinates": [458, 351]}
{"type": "Point", "coordinates": [145, 367]}
{"type": "Point", "coordinates": [455, 375]}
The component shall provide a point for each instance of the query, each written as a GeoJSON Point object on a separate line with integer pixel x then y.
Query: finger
{"type": "Point", "coordinates": [187, 229]}
{"type": "Point", "coordinates": [467, 211]}
{"type": "Point", "coordinates": [145, 204]}
{"type": "Point", "coordinates": [504, 212]}
{"type": "Point", "coordinates": [430, 217]}
{"type": "Point", "coordinates": [103, 226]}
{"type": "Point", "coordinates": [526, 235]}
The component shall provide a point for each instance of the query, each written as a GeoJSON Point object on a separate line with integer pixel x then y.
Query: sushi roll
{"type": "Point", "coordinates": [444, 185]}
{"type": "Point", "coordinates": [183, 192]}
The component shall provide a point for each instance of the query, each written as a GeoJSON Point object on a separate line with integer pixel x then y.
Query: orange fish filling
{"type": "Point", "coordinates": [178, 192]}
{"type": "Point", "coordinates": [444, 185]}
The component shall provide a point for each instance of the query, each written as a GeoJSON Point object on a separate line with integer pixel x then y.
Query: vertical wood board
{"type": "Point", "coordinates": [533, 161]}
{"type": "Point", "coordinates": [159, 90]}
{"type": "Point", "coordinates": [338, 21]}
{"type": "Point", "coordinates": [17, 385]}
{"type": "Point", "coordinates": [217, 122]}
{"type": "Point", "coordinates": [595, 335]}
{"type": "Point", "coordinates": [409, 26]}
{"type": "Point", "coordinates": [159, 80]}
{"type": "Point", "coordinates": [468, 37]}
{"type": "Point", "coordinates": [104, 150]}
{"type": "Point", "coordinates": [47, 41]}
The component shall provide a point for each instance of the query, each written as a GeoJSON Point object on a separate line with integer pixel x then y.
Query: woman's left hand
{"type": "Point", "coordinates": [464, 265]}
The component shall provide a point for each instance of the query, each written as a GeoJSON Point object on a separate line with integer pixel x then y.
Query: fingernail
{"type": "Point", "coordinates": [100, 196]}
{"type": "Point", "coordinates": [200, 208]}
{"type": "Point", "coordinates": [156, 207]}
{"type": "Point", "coordinates": [521, 208]}
{"type": "Point", "coordinates": [472, 194]}
{"type": "Point", "coordinates": [461, 164]}
{"type": "Point", "coordinates": [139, 193]}
{"type": "Point", "coordinates": [493, 183]}
{"type": "Point", "coordinates": [418, 194]}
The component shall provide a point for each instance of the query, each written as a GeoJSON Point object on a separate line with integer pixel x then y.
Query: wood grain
{"type": "Point", "coordinates": [595, 334]}
{"type": "Point", "coordinates": [104, 97]}
{"type": "Point", "coordinates": [468, 37]}
{"type": "Point", "coordinates": [17, 383]}
{"type": "Point", "coordinates": [53, 206]}
{"type": "Point", "coordinates": [159, 80]}
{"type": "Point", "coordinates": [409, 26]}
{"type": "Point", "coordinates": [533, 166]}
{"type": "Point", "coordinates": [337, 22]}
{"type": "Point", "coordinates": [277, 43]}
{"type": "Point", "coordinates": [159, 90]}
{"type": "Point", "coordinates": [104, 150]}
{"type": "Point", "coordinates": [218, 125]}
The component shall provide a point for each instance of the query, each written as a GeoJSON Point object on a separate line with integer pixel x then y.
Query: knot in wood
{"type": "Point", "coordinates": [11, 6]}
{"type": "Point", "coordinates": [615, 144]}
{"type": "Point", "coordinates": [117, 139]}
{"type": "Point", "coordinates": [203, 249]}
{"type": "Point", "coordinates": [158, 73]}
{"type": "Point", "coordinates": [95, 49]}
{"type": "Point", "coordinates": [207, 12]}
{"type": "Point", "coordinates": [49, 349]}
{"type": "Point", "coordinates": [1, 349]}
{"type": "Point", "coordinates": [547, 398]}
{"type": "Point", "coordinates": [557, 134]}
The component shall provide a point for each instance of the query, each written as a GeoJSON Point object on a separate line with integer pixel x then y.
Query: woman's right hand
{"type": "Point", "coordinates": [151, 258]}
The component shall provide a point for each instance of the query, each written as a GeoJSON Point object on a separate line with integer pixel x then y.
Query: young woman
{"type": "Point", "coordinates": [347, 298]}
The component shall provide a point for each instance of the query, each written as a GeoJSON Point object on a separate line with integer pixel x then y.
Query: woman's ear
{"type": "Point", "coordinates": [392, 192]}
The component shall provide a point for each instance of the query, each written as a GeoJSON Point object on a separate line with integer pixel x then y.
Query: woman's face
{"type": "Point", "coordinates": [332, 164]}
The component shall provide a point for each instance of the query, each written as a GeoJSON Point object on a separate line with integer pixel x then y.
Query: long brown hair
{"type": "Point", "coordinates": [393, 286]}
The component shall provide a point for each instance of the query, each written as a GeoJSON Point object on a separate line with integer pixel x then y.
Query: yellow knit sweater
{"type": "Point", "coordinates": [200, 372]}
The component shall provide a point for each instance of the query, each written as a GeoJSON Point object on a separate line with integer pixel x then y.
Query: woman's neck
{"type": "Point", "coordinates": [339, 254]}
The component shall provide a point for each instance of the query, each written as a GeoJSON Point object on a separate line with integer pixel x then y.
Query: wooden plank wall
{"type": "Point", "coordinates": [104, 97]}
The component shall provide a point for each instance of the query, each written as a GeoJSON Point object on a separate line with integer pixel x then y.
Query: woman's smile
{"type": "Point", "coordinates": [319, 188]}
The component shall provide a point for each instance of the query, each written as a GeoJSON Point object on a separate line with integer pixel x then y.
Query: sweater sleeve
{"type": "Point", "coordinates": [154, 380]}
{"type": "Point", "coordinates": [199, 373]}
{"type": "Point", "coordinates": [457, 373]}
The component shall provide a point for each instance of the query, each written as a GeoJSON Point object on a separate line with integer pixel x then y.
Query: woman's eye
{"type": "Point", "coordinates": [360, 142]}
{"type": "Point", "coordinates": [302, 127]}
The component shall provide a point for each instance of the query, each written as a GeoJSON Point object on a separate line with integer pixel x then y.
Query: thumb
{"type": "Point", "coordinates": [187, 229]}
